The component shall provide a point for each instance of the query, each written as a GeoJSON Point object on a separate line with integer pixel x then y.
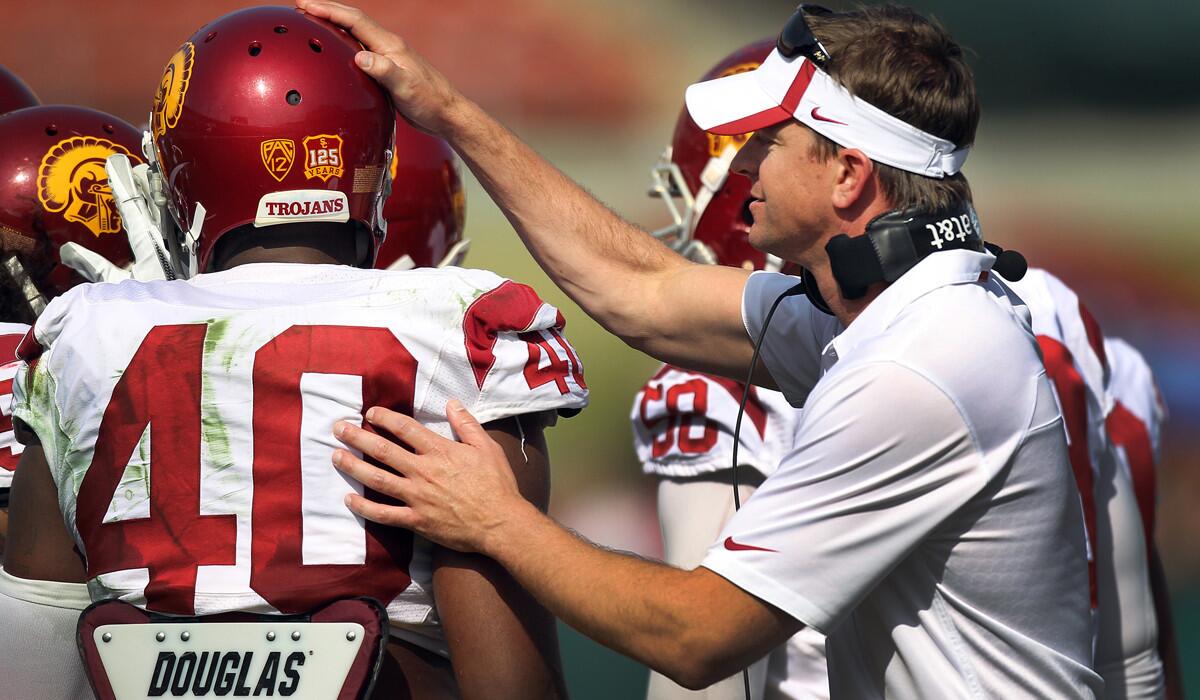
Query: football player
{"type": "Point", "coordinates": [683, 421]}
{"type": "Point", "coordinates": [14, 95]}
{"type": "Point", "coordinates": [185, 425]}
{"type": "Point", "coordinates": [54, 193]}
{"type": "Point", "coordinates": [1134, 426]}
{"type": "Point", "coordinates": [1121, 552]}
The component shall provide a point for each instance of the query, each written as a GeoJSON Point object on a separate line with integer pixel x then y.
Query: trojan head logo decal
{"type": "Point", "coordinates": [277, 156]}
{"type": "Point", "coordinates": [323, 157]}
{"type": "Point", "coordinates": [168, 101]}
{"type": "Point", "coordinates": [718, 144]}
{"type": "Point", "coordinates": [71, 180]}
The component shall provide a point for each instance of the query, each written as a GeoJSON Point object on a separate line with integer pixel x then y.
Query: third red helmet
{"type": "Point", "coordinates": [262, 118]}
{"type": "Point", "coordinates": [427, 206]}
{"type": "Point", "coordinates": [14, 93]}
{"type": "Point", "coordinates": [709, 206]}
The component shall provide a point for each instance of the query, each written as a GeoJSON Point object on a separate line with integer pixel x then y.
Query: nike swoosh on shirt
{"type": "Point", "coordinates": [818, 117]}
{"type": "Point", "coordinates": [739, 547]}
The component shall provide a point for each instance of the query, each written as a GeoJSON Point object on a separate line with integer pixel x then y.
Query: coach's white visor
{"type": "Point", "coordinates": [794, 88]}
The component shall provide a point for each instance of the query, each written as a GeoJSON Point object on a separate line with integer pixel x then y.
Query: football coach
{"type": "Point", "coordinates": [926, 519]}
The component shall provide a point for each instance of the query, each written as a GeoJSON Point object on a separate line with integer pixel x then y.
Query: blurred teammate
{"type": "Point", "coordinates": [683, 421]}
{"type": "Point", "coordinates": [1121, 552]}
{"type": "Point", "coordinates": [204, 406]}
{"type": "Point", "coordinates": [54, 193]}
{"type": "Point", "coordinates": [14, 95]}
{"type": "Point", "coordinates": [1134, 426]}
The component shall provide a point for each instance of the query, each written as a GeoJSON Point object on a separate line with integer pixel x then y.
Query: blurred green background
{"type": "Point", "coordinates": [1087, 160]}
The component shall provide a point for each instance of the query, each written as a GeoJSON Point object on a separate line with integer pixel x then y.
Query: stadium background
{"type": "Point", "coordinates": [1086, 160]}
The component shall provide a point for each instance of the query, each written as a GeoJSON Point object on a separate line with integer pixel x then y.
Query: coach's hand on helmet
{"type": "Point", "coordinates": [457, 494]}
{"type": "Point", "coordinates": [419, 91]}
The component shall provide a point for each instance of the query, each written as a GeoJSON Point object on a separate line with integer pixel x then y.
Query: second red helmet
{"type": "Point", "coordinates": [262, 118]}
{"type": "Point", "coordinates": [54, 190]}
{"type": "Point", "coordinates": [708, 205]}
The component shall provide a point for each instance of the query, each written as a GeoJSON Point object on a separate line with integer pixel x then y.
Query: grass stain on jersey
{"type": "Point", "coordinates": [464, 302]}
{"type": "Point", "coordinates": [214, 433]}
{"type": "Point", "coordinates": [45, 420]}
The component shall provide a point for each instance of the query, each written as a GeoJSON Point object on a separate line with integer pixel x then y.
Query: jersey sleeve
{"type": "Point", "coordinates": [35, 386]}
{"type": "Point", "coordinates": [10, 450]}
{"type": "Point", "coordinates": [684, 425]}
{"type": "Point", "coordinates": [858, 492]}
{"type": "Point", "coordinates": [795, 338]}
{"type": "Point", "coordinates": [519, 357]}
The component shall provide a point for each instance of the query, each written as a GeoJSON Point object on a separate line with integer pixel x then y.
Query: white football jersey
{"type": "Point", "coordinates": [10, 449]}
{"type": "Point", "coordinates": [1134, 429]}
{"type": "Point", "coordinates": [188, 424]}
{"type": "Point", "coordinates": [1075, 356]}
{"type": "Point", "coordinates": [683, 424]}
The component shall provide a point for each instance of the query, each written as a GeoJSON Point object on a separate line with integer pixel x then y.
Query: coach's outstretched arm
{"type": "Point", "coordinates": [635, 286]}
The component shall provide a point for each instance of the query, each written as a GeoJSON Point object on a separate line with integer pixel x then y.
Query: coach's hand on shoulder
{"type": "Point", "coordinates": [418, 90]}
{"type": "Point", "coordinates": [458, 494]}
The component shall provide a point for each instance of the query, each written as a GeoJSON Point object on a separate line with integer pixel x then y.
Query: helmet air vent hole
{"type": "Point", "coordinates": [210, 37]}
{"type": "Point", "coordinates": [280, 29]}
{"type": "Point", "coordinates": [108, 129]}
{"type": "Point", "coordinates": [255, 49]}
{"type": "Point", "coordinates": [293, 97]}
{"type": "Point", "coordinates": [52, 130]}
{"type": "Point", "coordinates": [315, 45]}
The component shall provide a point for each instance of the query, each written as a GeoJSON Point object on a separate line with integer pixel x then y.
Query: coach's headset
{"type": "Point", "coordinates": [896, 241]}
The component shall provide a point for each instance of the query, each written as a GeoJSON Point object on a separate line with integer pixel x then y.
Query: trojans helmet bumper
{"type": "Point", "coordinates": [262, 118]}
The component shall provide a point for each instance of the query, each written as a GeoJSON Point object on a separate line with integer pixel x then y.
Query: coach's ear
{"type": "Point", "coordinates": [854, 179]}
{"type": "Point", "coordinates": [24, 434]}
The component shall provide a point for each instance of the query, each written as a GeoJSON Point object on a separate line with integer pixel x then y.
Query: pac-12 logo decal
{"type": "Point", "coordinates": [718, 144]}
{"type": "Point", "coordinates": [323, 157]}
{"type": "Point", "coordinates": [277, 156]}
{"type": "Point", "coordinates": [72, 180]}
{"type": "Point", "coordinates": [168, 101]}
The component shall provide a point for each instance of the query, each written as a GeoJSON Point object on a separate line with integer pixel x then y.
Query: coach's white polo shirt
{"type": "Point", "coordinates": [926, 518]}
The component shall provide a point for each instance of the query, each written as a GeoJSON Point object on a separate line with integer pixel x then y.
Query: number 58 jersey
{"type": "Point", "coordinates": [188, 424]}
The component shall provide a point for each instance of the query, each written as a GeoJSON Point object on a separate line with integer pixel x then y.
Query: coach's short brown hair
{"type": "Point", "coordinates": [911, 68]}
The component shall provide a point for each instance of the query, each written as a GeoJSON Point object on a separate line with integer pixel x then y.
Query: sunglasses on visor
{"type": "Point", "coordinates": [797, 38]}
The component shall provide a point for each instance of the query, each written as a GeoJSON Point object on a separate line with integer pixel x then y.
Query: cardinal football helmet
{"type": "Point", "coordinates": [14, 93]}
{"type": "Point", "coordinates": [427, 207]}
{"type": "Point", "coordinates": [262, 118]}
{"type": "Point", "coordinates": [54, 190]}
{"type": "Point", "coordinates": [709, 207]}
